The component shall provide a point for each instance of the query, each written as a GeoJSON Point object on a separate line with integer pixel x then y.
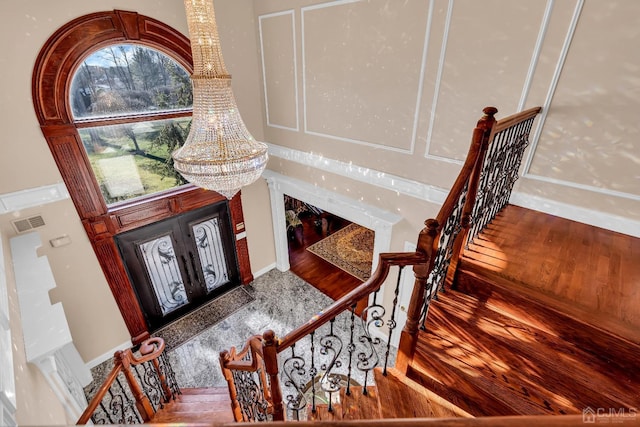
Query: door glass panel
{"type": "Point", "coordinates": [211, 253]}
{"type": "Point", "coordinates": [162, 266]}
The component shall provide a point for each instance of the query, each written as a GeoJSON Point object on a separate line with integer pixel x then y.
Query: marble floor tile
{"type": "Point", "coordinates": [282, 302]}
{"type": "Point", "coordinates": [279, 301]}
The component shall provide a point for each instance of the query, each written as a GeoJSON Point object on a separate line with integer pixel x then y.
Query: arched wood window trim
{"type": "Point", "coordinates": [61, 55]}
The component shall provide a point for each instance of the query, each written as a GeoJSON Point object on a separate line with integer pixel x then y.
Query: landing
{"type": "Point", "coordinates": [591, 271]}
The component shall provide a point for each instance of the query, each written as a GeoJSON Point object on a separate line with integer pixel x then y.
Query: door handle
{"type": "Point", "coordinates": [186, 270]}
{"type": "Point", "coordinates": [193, 265]}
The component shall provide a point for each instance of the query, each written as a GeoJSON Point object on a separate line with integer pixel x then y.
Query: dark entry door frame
{"type": "Point", "coordinates": [180, 263]}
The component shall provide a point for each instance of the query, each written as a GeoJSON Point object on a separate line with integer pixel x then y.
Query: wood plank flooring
{"type": "Point", "coordinates": [319, 273]}
{"type": "Point", "coordinates": [594, 270]}
{"type": "Point", "coordinates": [543, 319]}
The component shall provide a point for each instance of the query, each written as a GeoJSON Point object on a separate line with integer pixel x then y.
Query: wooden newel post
{"type": "Point", "coordinates": [233, 394]}
{"type": "Point", "coordinates": [409, 333]}
{"type": "Point", "coordinates": [148, 347]}
{"type": "Point", "coordinates": [142, 401]}
{"type": "Point", "coordinates": [270, 353]}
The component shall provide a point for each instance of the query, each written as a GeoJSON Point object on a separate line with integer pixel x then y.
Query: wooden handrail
{"type": "Point", "coordinates": [102, 391]}
{"type": "Point", "coordinates": [504, 421]}
{"type": "Point", "coordinates": [509, 121]}
{"type": "Point", "coordinates": [150, 350]}
{"type": "Point", "coordinates": [386, 260]}
{"type": "Point", "coordinates": [235, 359]}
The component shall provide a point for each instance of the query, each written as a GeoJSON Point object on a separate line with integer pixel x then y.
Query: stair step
{"type": "Point", "coordinates": [503, 366]}
{"type": "Point", "coordinates": [322, 412]}
{"type": "Point", "coordinates": [401, 397]}
{"type": "Point", "coordinates": [360, 406]}
{"type": "Point", "coordinates": [538, 310]}
{"type": "Point", "coordinates": [193, 406]}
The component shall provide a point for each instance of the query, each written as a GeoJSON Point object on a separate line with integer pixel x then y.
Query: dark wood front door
{"type": "Point", "coordinates": [180, 263]}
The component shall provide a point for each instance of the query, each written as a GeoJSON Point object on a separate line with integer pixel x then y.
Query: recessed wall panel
{"type": "Point", "coordinates": [362, 70]}
{"type": "Point", "coordinates": [591, 136]}
{"type": "Point", "coordinates": [484, 59]}
{"type": "Point", "coordinates": [277, 36]}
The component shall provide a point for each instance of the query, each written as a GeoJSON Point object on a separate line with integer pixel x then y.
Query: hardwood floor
{"type": "Point", "coordinates": [321, 274]}
{"type": "Point", "coordinates": [589, 271]}
{"type": "Point", "coordinates": [543, 320]}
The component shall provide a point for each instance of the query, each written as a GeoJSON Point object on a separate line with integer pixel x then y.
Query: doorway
{"type": "Point", "coordinates": [311, 237]}
{"type": "Point", "coordinates": [178, 264]}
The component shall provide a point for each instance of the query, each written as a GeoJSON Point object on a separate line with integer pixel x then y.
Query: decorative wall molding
{"type": "Point", "coordinates": [419, 90]}
{"type": "Point", "coordinates": [408, 187]}
{"type": "Point", "coordinates": [438, 82]}
{"type": "Point", "coordinates": [536, 54]}
{"type": "Point", "coordinates": [553, 86]}
{"type": "Point", "coordinates": [261, 18]}
{"type": "Point", "coordinates": [32, 197]}
{"type": "Point", "coordinates": [437, 195]}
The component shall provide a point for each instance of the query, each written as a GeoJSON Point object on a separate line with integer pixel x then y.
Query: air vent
{"type": "Point", "coordinates": [24, 225]}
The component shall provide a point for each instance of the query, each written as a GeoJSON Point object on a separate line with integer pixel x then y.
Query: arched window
{"type": "Point", "coordinates": [110, 124]}
{"type": "Point", "coordinates": [135, 87]}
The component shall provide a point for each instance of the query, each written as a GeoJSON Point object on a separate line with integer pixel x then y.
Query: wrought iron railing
{"type": "Point", "coordinates": [338, 348]}
{"type": "Point", "coordinates": [138, 385]}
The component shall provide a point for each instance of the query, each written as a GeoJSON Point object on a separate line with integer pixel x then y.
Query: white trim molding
{"type": "Point", "coordinates": [408, 187]}
{"type": "Point", "coordinates": [371, 217]}
{"type": "Point", "coordinates": [575, 213]}
{"type": "Point", "coordinates": [294, 60]}
{"type": "Point", "coordinates": [32, 197]}
{"type": "Point", "coordinates": [438, 195]}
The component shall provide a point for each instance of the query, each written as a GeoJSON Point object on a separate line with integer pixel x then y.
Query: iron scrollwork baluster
{"type": "Point", "coordinates": [296, 374]}
{"type": "Point", "coordinates": [391, 323]}
{"type": "Point", "coordinates": [368, 359]}
{"type": "Point", "coordinates": [351, 347]}
{"type": "Point", "coordinates": [250, 396]}
{"type": "Point", "coordinates": [331, 346]}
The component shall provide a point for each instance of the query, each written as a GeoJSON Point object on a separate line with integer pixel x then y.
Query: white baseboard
{"type": "Point", "coordinates": [264, 270]}
{"type": "Point", "coordinates": [108, 355]}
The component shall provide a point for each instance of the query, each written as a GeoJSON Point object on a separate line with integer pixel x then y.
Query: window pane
{"type": "Point", "coordinates": [132, 160]}
{"type": "Point", "coordinates": [128, 79]}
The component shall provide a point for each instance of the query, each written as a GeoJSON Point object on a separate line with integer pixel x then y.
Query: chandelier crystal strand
{"type": "Point", "coordinates": [219, 154]}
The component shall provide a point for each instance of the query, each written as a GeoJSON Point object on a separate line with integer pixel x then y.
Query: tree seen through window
{"type": "Point", "coordinates": [132, 106]}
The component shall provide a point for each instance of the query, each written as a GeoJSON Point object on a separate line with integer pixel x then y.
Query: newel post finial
{"type": "Point", "coordinates": [487, 121]}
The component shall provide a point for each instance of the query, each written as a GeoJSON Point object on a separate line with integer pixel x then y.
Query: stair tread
{"type": "Point", "coordinates": [360, 406]}
{"type": "Point", "coordinates": [585, 364]}
{"type": "Point", "coordinates": [496, 353]}
{"type": "Point", "coordinates": [202, 390]}
{"type": "Point", "coordinates": [322, 412]}
{"type": "Point", "coordinates": [203, 405]}
{"type": "Point", "coordinates": [536, 309]}
{"type": "Point", "coordinates": [401, 397]}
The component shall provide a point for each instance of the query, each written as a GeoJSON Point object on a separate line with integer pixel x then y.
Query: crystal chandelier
{"type": "Point", "coordinates": [219, 154]}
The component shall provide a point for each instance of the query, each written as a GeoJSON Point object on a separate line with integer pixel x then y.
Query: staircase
{"type": "Point", "coordinates": [516, 318]}
{"type": "Point", "coordinates": [393, 396]}
{"type": "Point", "coordinates": [501, 345]}
{"type": "Point", "coordinates": [197, 406]}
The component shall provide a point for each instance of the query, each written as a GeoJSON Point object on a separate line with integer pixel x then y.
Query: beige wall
{"type": "Point", "coordinates": [397, 87]}
{"type": "Point", "coordinates": [391, 86]}
{"type": "Point", "coordinates": [95, 322]}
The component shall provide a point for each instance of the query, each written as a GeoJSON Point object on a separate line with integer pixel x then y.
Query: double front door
{"type": "Point", "coordinates": [179, 264]}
